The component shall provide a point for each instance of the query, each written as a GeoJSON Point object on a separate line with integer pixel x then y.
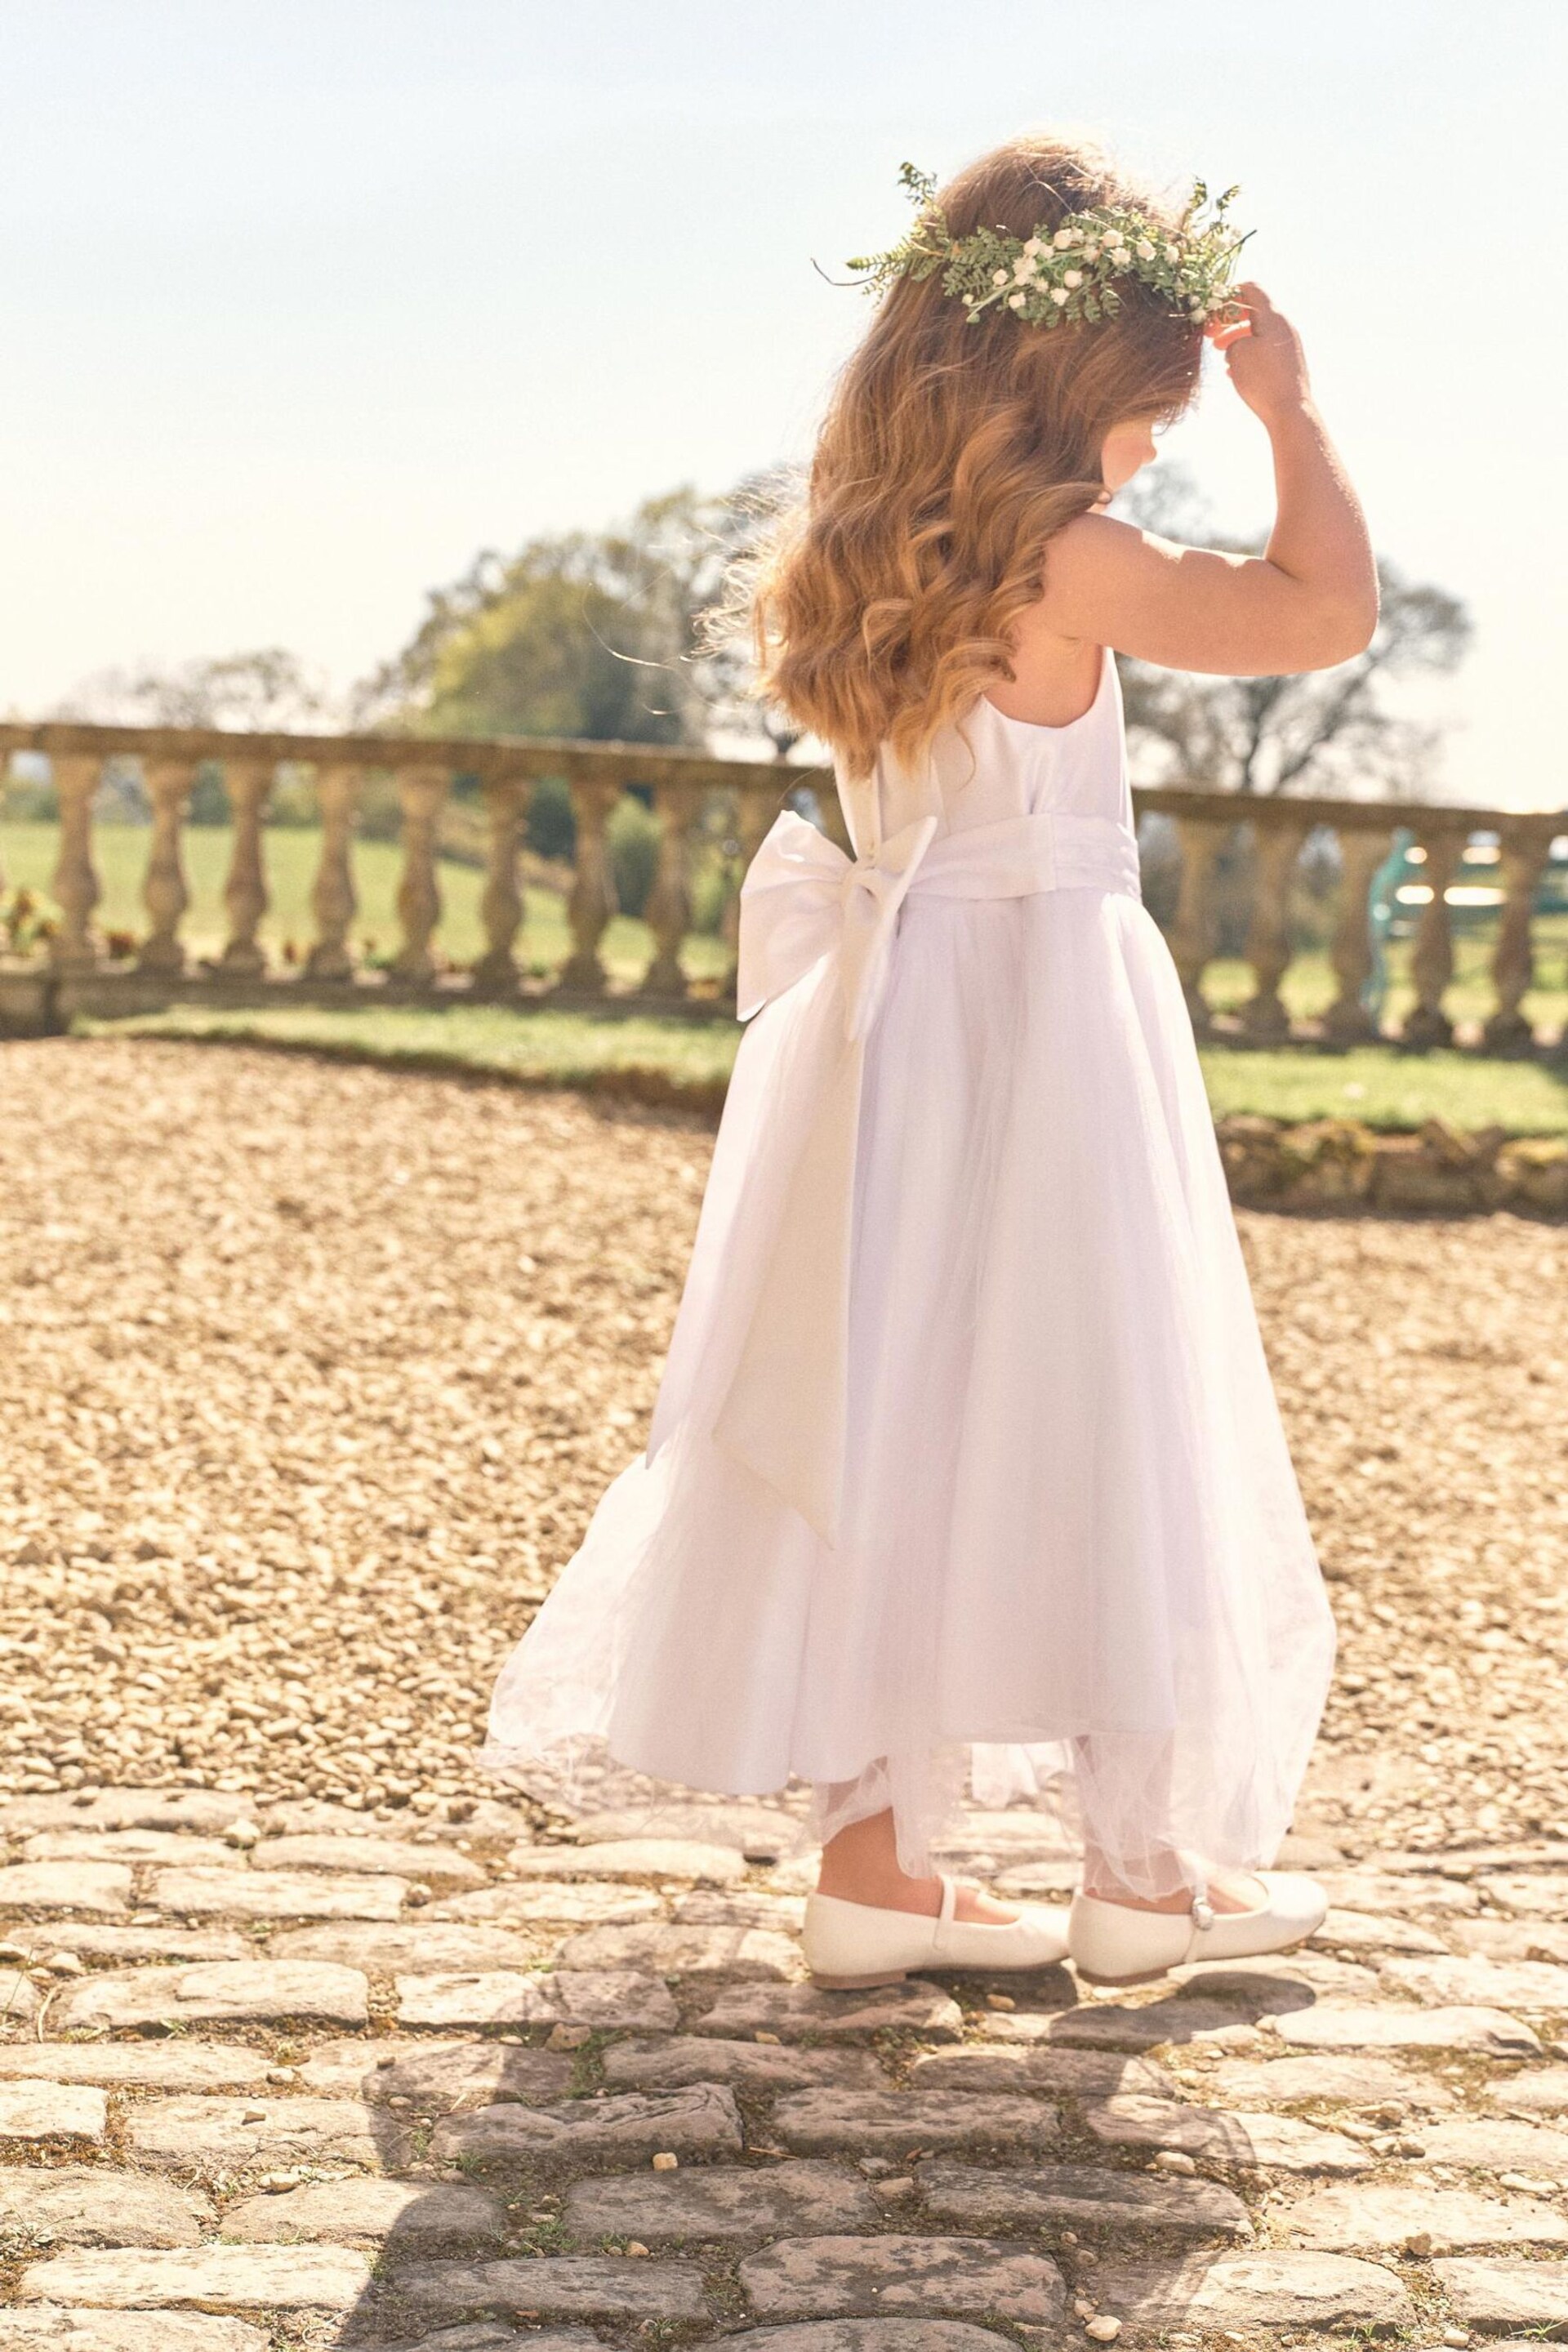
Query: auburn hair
{"type": "Point", "coordinates": [951, 452]}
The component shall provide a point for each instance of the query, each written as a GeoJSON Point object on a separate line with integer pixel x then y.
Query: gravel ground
{"type": "Point", "coordinates": [312, 1375]}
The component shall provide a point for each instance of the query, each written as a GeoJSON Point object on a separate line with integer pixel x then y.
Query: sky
{"type": "Point", "coordinates": [304, 302]}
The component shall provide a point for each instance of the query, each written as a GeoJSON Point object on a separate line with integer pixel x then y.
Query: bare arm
{"type": "Point", "coordinates": [1308, 602]}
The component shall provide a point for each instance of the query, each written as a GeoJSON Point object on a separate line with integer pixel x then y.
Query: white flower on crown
{"type": "Point", "coordinates": [1089, 248]}
{"type": "Point", "coordinates": [1032, 247]}
{"type": "Point", "coordinates": [1025, 265]}
{"type": "Point", "coordinates": [1173, 253]}
{"type": "Point", "coordinates": [1062, 239]}
{"type": "Point", "coordinates": [1015, 301]}
{"type": "Point", "coordinates": [1145, 250]}
{"type": "Point", "coordinates": [998, 278]}
{"type": "Point", "coordinates": [1072, 278]}
{"type": "Point", "coordinates": [1058, 295]}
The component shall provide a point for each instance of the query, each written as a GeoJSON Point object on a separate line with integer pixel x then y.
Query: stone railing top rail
{"type": "Point", "coordinates": [501, 759]}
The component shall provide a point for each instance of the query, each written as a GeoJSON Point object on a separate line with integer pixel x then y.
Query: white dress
{"type": "Point", "coordinates": [966, 1464]}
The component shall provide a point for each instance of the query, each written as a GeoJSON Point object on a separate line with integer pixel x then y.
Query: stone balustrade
{"type": "Point", "coordinates": [1207, 826]}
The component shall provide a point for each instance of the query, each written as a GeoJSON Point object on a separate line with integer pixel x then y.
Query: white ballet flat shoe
{"type": "Point", "coordinates": [849, 1946]}
{"type": "Point", "coordinates": [1113, 1943]}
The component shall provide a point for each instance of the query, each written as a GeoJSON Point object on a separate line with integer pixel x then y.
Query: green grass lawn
{"type": "Point", "coordinates": [1374, 1084]}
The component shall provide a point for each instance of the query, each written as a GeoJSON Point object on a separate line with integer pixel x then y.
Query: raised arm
{"type": "Point", "coordinates": [1308, 602]}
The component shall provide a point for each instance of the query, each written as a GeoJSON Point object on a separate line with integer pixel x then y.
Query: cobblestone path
{"type": "Point", "coordinates": [291, 2074]}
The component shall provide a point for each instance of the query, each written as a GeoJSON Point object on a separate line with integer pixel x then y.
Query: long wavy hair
{"type": "Point", "coordinates": [951, 452]}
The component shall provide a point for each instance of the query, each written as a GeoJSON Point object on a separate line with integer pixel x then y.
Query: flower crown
{"type": "Point", "coordinates": [1068, 272]}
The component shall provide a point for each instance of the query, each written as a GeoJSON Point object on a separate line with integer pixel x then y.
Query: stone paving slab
{"type": "Point", "coordinates": [413, 2216]}
{"type": "Point", "coordinates": [139, 2066]}
{"type": "Point", "coordinates": [672, 1860]}
{"type": "Point", "coordinates": [86, 2206]}
{"type": "Point", "coordinates": [667, 1951]}
{"type": "Point", "coordinates": [723, 2204]}
{"type": "Point", "coordinates": [1080, 2074]}
{"type": "Point", "coordinates": [613, 2001]}
{"type": "Point", "coordinates": [871, 2335]}
{"type": "Point", "coordinates": [437, 2077]}
{"type": "Point", "coordinates": [1499, 2146]}
{"type": "Point", "coordinates": [586, 1903]}
{"type": "Point", "coordinates": [47, 2328]}
{"type": "Point", "coordinates": [222, 1993]}
{"type": "Point", "coordinates": [803, 2012]}
{"type": "Point", "coordinates": [559, 2286]}
{"type": "Point", "coordinates": [102, 1886]}
{"type": "Point", "coordinates": [242, 2278]}
{"type": "Point", "coordinates": [280, 1893]}
{"type": "Point", "coordinates": [1365, 1931]}
{"type": "Point", "coordinates": [489, 2336]}
{"type": "Point", "coordinates": [891, 2123]}
{"type": "Point", "coordinates": [134, 1847]}
{"type": "Point", "coordinates": [1513, 1939]}
{"type": "Point", "coordinates": [832, 2277]}
{"type": "Point", "coordinates": [1278, 2143]}
{"type": "Point", "coordinates": [1083, 2196]}
{"type": "Point", "coordinates": [163, 1939]}
{"type": "Point", "coordinates": [1532, 1894]}
{"type": "Point", "coordinates": [1443, 2027]}
{"type": "Point", "coordinates": [1537, 2090]}
{"type": "Point", "coordinates": [1528, 1985]}
{"type": "Point", "coordinates": [764, 1830]}
{"type": "Point", "coordinates": [19, 2000]}
{"type": "Point", "coordinates": [1388, 2218]}
{"type": "Point", "coordinates": [1505, 2293]}
{"type": "Point", "coordinates": [436, 1864]}
{"type": "Point", "coordinates": [1422, 1897]}
{"type": "Point", "coordinates": [740, 1907]}
{"type": "Point", "coordinates": [1362, 2080]}
{"type": "Point", "coordinates": [701, 2121]}
{"type": "Point", "coordinates": [434, 1948]}
{"type": "Point", "coordinates": [204, 1811]}
{"type": "Point", "coordinates": [1114, 2025]}
{"type": "Point", "coordinates": [1255, 2290]}
{"type": "Point", "coordinates": [748, 2065]}
{"type": "Point", "coordinates": [38, 2109]}
{"type": "Point", "coordinates": [237, 2135]}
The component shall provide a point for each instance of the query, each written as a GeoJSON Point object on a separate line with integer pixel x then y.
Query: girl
{"type": "Point", "coordinates": [966, 1457]}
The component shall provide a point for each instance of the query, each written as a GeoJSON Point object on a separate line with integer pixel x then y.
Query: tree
{"type": "Point", "coordinates": [588, 634]}
{"type": "Point", "coordinates": [1327, 731]}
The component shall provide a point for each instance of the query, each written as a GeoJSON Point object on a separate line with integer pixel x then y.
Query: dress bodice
{"type": "Point", "coordinates": [987, 766]}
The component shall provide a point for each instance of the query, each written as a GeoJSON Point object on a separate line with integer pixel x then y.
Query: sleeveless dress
{"type": "Point", "coordinates": [966, 1467]}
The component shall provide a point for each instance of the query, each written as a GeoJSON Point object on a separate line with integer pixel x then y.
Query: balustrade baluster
{"type": "Point", "coordinates": [1432, 957]}
{"type": "Point", "coordinates": [332, 900]}
{"type": "Point", "coordinates": [1348, 1021]}
{"type": "Point", "coordinates": [1277, 846]}
{"type": "Point", "coordinates": [421, 792]}
{"type": "Point", "coordinates": [1526, 845]}
{"type": "Point", "coordinates": [1202, 840]}
{"type": "Point", "coordinates": [249, 783]}
{"type": "Point", "coordinates": [591, 903]}
{"type": "Point", "coordinates": [164, 890]}
{"type": "Point", "coordinates": [506, 801]}
{"type": "Point", "coordinates": [670, 901]}
{"type": "Point", "coordinates": [75, 886]}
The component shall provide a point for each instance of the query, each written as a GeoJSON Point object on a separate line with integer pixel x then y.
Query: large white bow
{"type": "Point", "coordinates": [803, 899]}
{"type": "Point", "coordinates": [785, 1410]}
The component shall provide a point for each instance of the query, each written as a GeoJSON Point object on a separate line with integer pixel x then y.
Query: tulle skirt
{"type": "Point", "coordinates": [1072, 1564]}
